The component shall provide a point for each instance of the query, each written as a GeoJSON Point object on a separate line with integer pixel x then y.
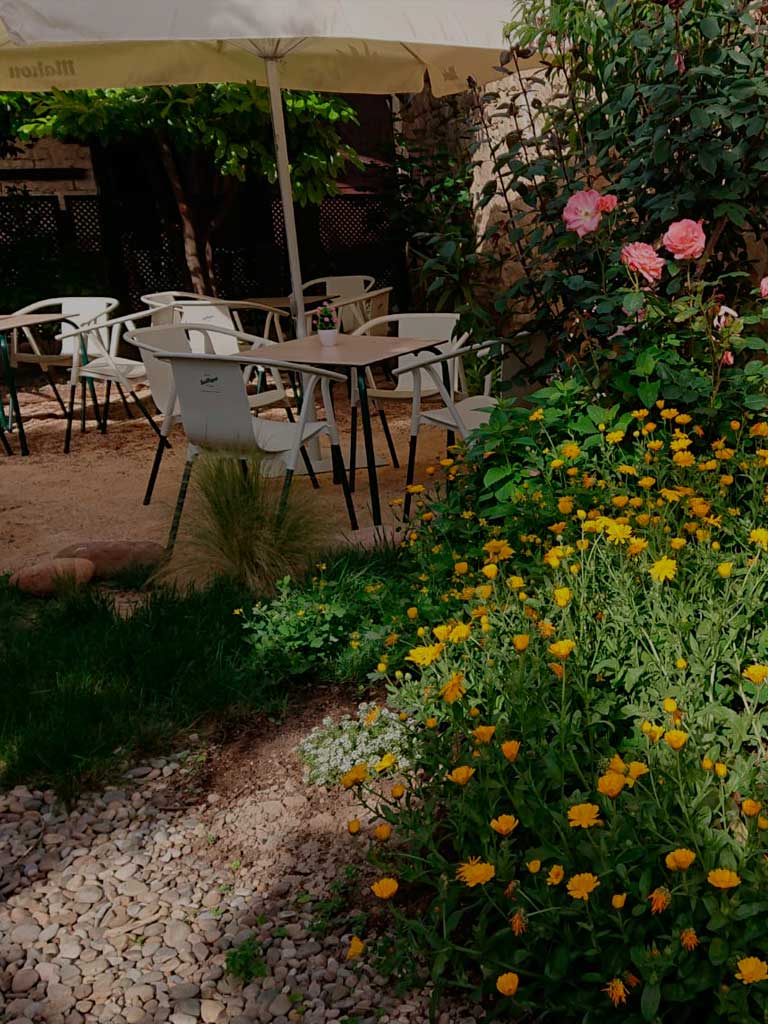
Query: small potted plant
{"type": "Point", "coordinates": [327, 325]}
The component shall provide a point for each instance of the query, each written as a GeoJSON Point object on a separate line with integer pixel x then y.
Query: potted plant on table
{"type": "Point", "coordinates": [327, 325]}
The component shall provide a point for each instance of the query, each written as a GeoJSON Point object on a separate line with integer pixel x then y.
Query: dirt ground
{"type": "Point", "coordinates": [49, 500]}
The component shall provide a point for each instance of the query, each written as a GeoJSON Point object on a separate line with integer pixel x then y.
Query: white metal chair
{"type": "Point", "coordinates": [104, 363]}
{"type": "Point", "coordinates": [456, 417]}
{"type": "Point", "coordinates": [216, 416]}
{"type": "Point", "coordinates": [437, 326]}
{"type": "Point", "coordinates": [82, 311]}
{"type": "Point", "coordinates": [174, 338]}
{"type": "Point", "coordinates": [206, 309]}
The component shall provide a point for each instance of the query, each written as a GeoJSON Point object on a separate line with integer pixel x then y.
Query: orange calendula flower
{"type": "Point", "coordinates": [490, 571]}
{"type": "Point", "coordinates": [723, 878]}
{"type": "Point", "coordinates": [635, 771]}
{"type": "Point", "coordinates": [660, 899]}
{"type": "Point", "coordinates": [461, 775]}
{"type": "Point", "coordinates": [520, 642]}
{"type": "Point", "coordinates": [431, 723]}
{"type": "Point", "coordinates": [475, 872]}
{"type": "Point", "coordinates": [355, 776]}
{"type": "Point", "coordinates": [534, 866]}
{"type": "Point", "coordinates": [454, 689]}
{"type": "Point", "coordinates": [507, 984]}
{"type": "Point", "coordinates": [689, 939]}
{"type": "Point", "coordinates": [571, 450]}
{"type": "Point", "coordinates": [751, 970]}
{"type": "Point", "coordinates": [556, 874]}
{"type": "Point", "coordinates": [484, 733]}
{"type": "Point", "coordinates": [382, 832]}
{"type": "Point", "coordinates": [616, 991]}
{"type": "Point", "coordinates": [584, 816]}
{"type": "Point", "coordinates": [562, 596]}
{"type": "Point", "coordinates": [680, 859]}
{"type": "Point", "coordinates": [675, 738]}
{"type": "Point", "coordinates": [385, 888]}
{"type": "Point", "coordinates": [580, 886]}
{"type": "Point", "coordinates": [618, 900]}
{"type": "Point", "coordinates": [519, 923]}
{"type": "Point", "coordinates": [611, 784]}
{"type": "Point", "coordinates": [510, 749]}
{"type": "Point", "coordinates": [505, 824]}
{"type": "Point", "coordinates": [461, 568]}
{"type": "Point", "coordinates": [398, 790]}
{"type": "Point", "coordinates": [750, 808]}
{"type": "Point", "coordinates": [353, 826]}
{"type": "Point", "coordinates": [356, 947]}
{"type": "Point", "coordinates": [561, 649]}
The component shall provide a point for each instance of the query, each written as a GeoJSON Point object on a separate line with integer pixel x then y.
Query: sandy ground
{"type": "Point", "coordinates": [49, 500]}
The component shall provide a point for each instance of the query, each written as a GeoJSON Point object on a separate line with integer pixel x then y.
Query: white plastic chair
{"type": "Point", "coordinates": [456, 417]}
{"type": "Point", "coordinates": [206, 309]}
{"type": "Point", "coordinates": [437, 326]}
{"type": "Point", "coordinates": [174, 338]}
{"type": "Point", "coordinates": [356, 310]}
{"type": "Point", "coordinates": [80, 311]}
{"type": "Point", "coordinates": [105, 364]}
{"type": "Point", "coordinates": [347, 286]}
{"type": "Point", "coordinates": [216, 416]}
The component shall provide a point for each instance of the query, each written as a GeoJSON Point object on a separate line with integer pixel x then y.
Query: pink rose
{"type": "Point", "coordinates": [608, 204]}
{"type": "Point", "coordinates": [642, 259]}
{"type": "Point", "coordinates": [582, 212]}
{"type": "Point", "coordinates": [764, 288]}
{"type": "Point", "coordinates": [685, 239]}
{"type": "Point", "coordinates": [727, 359]}
{"type": "Point", "coordinates": [680, 63]}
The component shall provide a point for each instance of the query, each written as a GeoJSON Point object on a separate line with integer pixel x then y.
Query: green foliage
{"type": "Point", "coordinates": [336, 911]}
{"type": "Point", "coordinates": [246, 962]}
{"type": "Point", "coordinates": [230, 122]}
{"type": "Point", "coordinates": [665, 104]}
{"type": "Point", "coordinates": [232, 528]}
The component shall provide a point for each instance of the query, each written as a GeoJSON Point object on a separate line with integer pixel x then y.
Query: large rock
{"type": "Point", "coordinates": [112, 556]}
{"type": "Point", "coordinates": [44, 578]}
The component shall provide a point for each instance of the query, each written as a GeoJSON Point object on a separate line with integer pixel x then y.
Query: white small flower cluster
{"type": "Point", "coordinates": [333, 748]}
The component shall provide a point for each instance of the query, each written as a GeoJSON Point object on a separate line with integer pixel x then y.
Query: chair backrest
{"type": "Point", "coordinates": [214, 401]}
{"type": "Point", "coordinates": [343, 287]}
{"type": "Point", "coordinates": [79, 310]}
{"type": "Point", "coordinates": [168, 338]}
{"type": "Point", "coordinates": [437, 326]}
{"type": "Point", "coordinates": [215, 314]}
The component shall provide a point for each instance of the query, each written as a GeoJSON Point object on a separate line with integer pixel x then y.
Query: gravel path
{"type": "Point", "coordinates": [123, 909]}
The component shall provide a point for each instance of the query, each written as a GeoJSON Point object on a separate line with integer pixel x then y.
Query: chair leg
{"type": "Point", "coordinates": [353, 449]}
{"type": "Point", "coordinates": [105, 413]}
{"type": "Point", "coordinates": [126, 407]}
{"type": "Point", "coordinates": [179, 505]}
{"type": "Point", "coordinates": [338, 462]}
{"type": "Point", "coordinates": [147, 416]}
{"type": "Point", "coordinates": [70, 417]}
{"type": "Point", "coordinates": [4, 441]}
{"type": "Point", "coordinates": [284, 495]}
{"type": "Point", "coordinates": [57, 395]}
{"type": "Point", "coordinates": [82, 409]}
{"type": "Point", "coordinates": [410, 473]}
{"type": "Point", "coordinates": [388, 436]}
{"type": "Point", "coordinates": [161, 446]}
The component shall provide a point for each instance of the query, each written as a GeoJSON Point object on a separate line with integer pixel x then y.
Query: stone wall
{"type": "Point", "coordinates": [49, 167]}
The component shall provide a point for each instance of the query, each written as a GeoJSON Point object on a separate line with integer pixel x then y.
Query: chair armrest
{"type": "Point", "coordinates": [420, 363]}
{"type": "Point", "coordinates": [244, 360]}
{"type": "Point", "coordinates": [128, 318]}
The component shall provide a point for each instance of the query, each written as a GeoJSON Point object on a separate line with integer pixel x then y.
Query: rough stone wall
{"type": "Point", "coordinates": [57, 159]}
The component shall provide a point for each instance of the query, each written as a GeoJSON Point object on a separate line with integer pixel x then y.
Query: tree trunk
{"type": "Point", "coordinates": [191, 254]}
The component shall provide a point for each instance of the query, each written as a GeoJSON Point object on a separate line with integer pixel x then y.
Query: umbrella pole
{"type": "Point", "coordinates": [286, 194]}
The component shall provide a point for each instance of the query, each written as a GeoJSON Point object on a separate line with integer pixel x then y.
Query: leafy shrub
{"type": "Point", "coordinates": [246, 962]}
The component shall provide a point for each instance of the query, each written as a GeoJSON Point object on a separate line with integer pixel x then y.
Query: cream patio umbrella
{"type": "Point", "coordinates": [366, 46]}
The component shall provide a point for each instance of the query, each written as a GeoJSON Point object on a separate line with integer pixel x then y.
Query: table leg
{"type": "Point", "coordinates": [365, 416]}
{"type": "Point", "coordinates": [12, 393]}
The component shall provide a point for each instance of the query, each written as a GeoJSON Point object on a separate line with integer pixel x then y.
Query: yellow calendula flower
{"type": "Point", "coordinates": [570, 450]}
{"type": "Point", "coordinates": [680, 859]}
{"type": "Point", "coordinates": [724, 570]}
{"type": "Point", "coordinates": [385, 888]}
{"type": "Point", "coordinates": [484, 733]}
{"type": "Point", "coordinates": [505, 824]}
{"type": "Point", "coordinates": [355, 776]}
{"type": "Point", "coordinates": [454, 689]}
{"type": "Point", "coordinates": [664, 569]}
{"type": "Point", "coordinates": [534, 866]}
{"type": "Point", "coordinates": [682, 664]}
{"type": "Point", "coordinates": [507, 984]}
{"type": "Point", "coordinates": [356, 947]}
{"type": "Point", "coordinates": [424, 656]}
{"type": "Point", "coordinates": [562, 648]}
{"type": "Point", "coordinates": [510, 749]}
{"type": "Point", "coordinates": [562, 596]}
{"type": "Point", "coordinates": [580, 886]}
{"type": "Point", "coordinates": [635, 771]}
{"type": "Point", "coordinates": [756, 674]}
{"type": "Point", "coordinates": [618, 900]}
{"type": "Point", "coordinates": [461, 775]}
{"type": "Point", "coordinates": [675, 738]}
{"type": "Point", "coordinates": [615, 437]}
{"type": "Point", "coordinates": [565, 506]}
{"type": "Point", "coordinates": [460, 632]}
{"type": "Point", "coordinates": [751, 970]}
{"type": "Point", "coordinates": [670, 704]}
{"type": "Point", "coordinates": [556, 874]}
{"type": "Point", "coordinates": [653, 732]}
{"type": "Point", "coordinates": [616, 991]}
{"type": "Point", "coordinates": [520, 642]}
{"type": "Point", "coordinates": [382, 832]}
{"type": "Point", "coordinates": [723, 878]}
{"type": "Point", "coordinates": [475, 872]}
{"type": "Point", "coordinates": [721, 770]}
{"type": "Point", "coordinates": [611, 783]}
{"type": "Point", "coordinates": [387, 761]}
{"type": "Point", "coordinates": [237, 611]}
{"type": "Point", "coordinates": [412, 613]}
{"type": "Point", "coordinates": [498, 550]}
{"type": "Point", "coordinates": [584, 816]}
{"type": "Point", "coordinates": [636, 547]}
{"type": "Point", "coordinates": [353, 826]}
{"type": "Point", "coordinates": [683, 459]}
{"type": "Point", "coordinates": [646, 482]}
{"type": "Point", "coordinates": [617, 533]}
{"type": "Point", "coordinates": [490, 571]}
{"type": "Point", "coordinates": [759, 537]}
{"type": "Point", "coordinates": [536, 415]}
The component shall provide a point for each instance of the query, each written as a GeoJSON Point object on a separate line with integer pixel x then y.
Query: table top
{"type": "Point", "coordinates": [10, 321]}
{"type": "Point", "coordinates": [284, 301]}
{"type": "Point", "coordinates": [356, 350]}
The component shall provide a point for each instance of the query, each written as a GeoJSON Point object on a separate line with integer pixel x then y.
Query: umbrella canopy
{"type": "Point", "coordinates": [367, 46]}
